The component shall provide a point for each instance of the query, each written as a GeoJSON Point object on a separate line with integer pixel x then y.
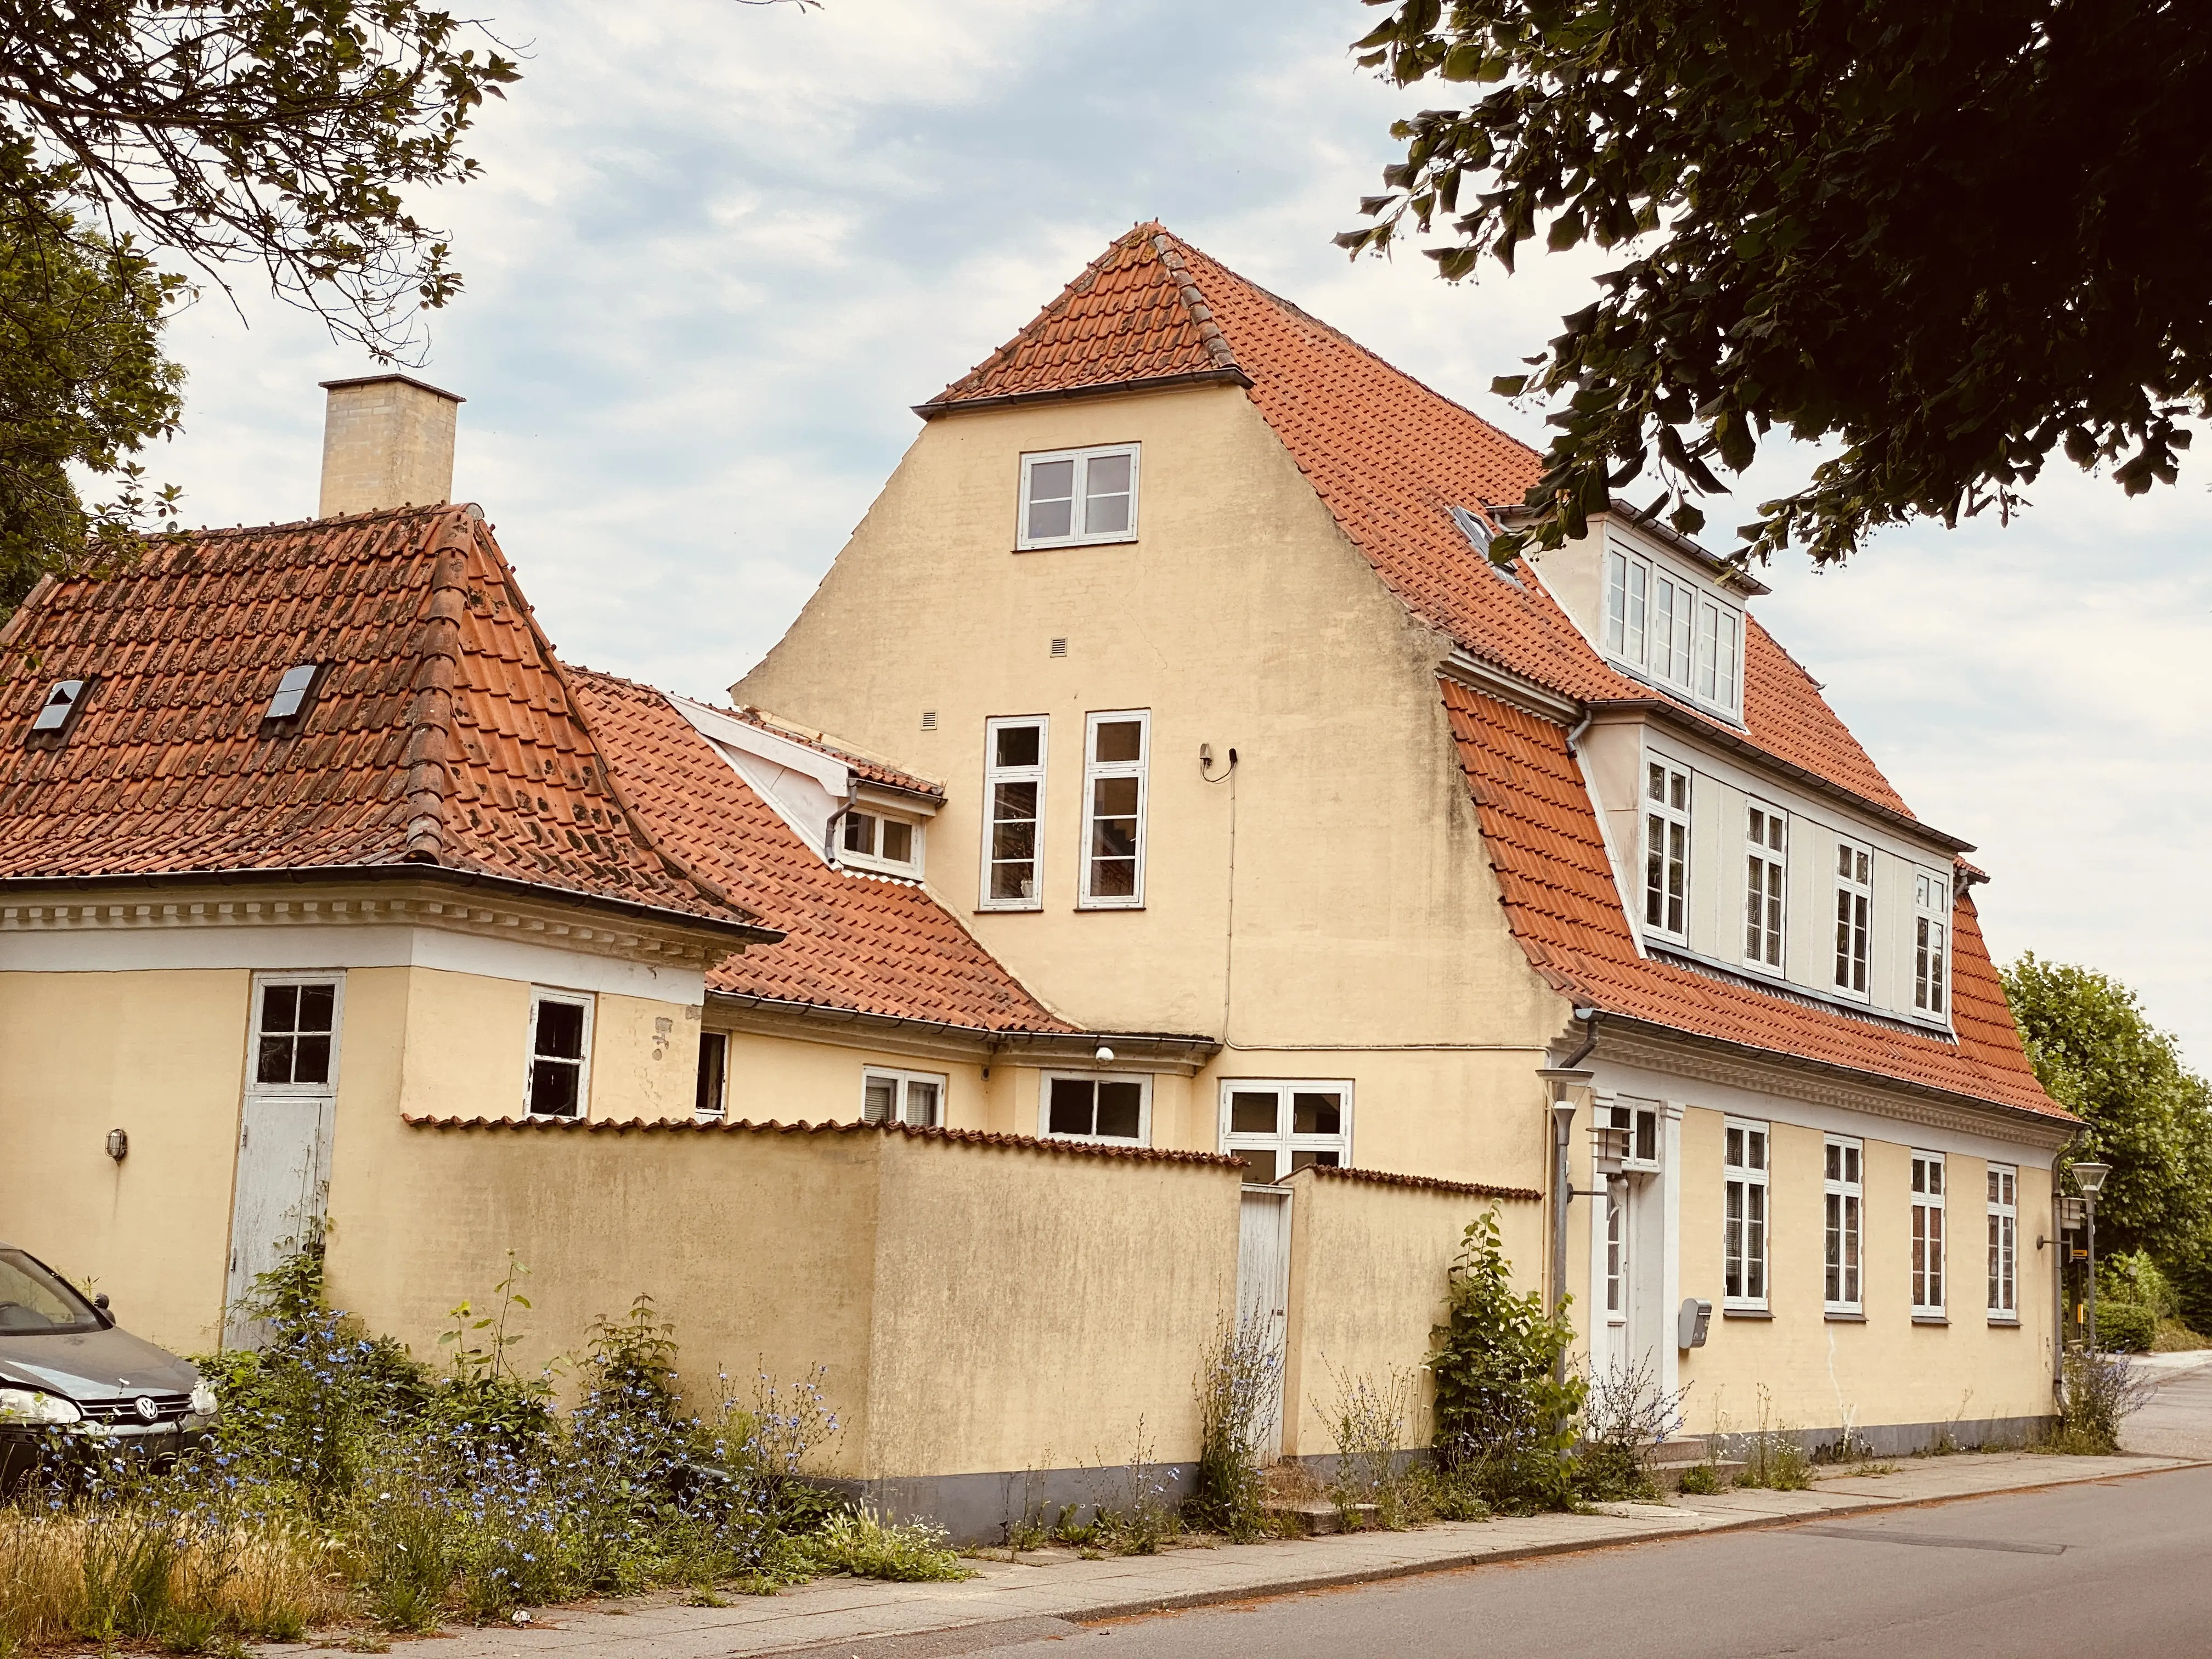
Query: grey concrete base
{"type": "Point", "coordinates": [1902, 1439]}
{"type": "Point", "coordinates": [978, 1508]}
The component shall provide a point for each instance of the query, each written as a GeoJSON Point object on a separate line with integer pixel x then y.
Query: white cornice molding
{"type": "Point", "coordinates": [1508, 687]}
{"type": "Point", "coordinates": [1691, 1057]}
{"type": "Point", "coordinates": [546, 924]}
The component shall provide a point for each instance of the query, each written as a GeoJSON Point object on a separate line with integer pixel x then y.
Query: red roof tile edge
{"type": "Point", "coordinates": [955, 1136]}
{"type": "Point", "coordinates": [1430, 1183]}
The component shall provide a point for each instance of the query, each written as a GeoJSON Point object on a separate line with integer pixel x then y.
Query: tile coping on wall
{"type": "Point", "coordinates": [746, 1126]}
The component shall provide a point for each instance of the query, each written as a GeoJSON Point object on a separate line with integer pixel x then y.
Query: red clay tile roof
{"type": "Point", "coordinates": [443, 733]}
{"type": "Point", "coordinates": [1390, 457]}
{"type": "Point", "coordinates": [981, 1138]}
{"type": "Point", "coordinates": [852, 940]}
{"type": "Point", "coordinates": [1557, 888]}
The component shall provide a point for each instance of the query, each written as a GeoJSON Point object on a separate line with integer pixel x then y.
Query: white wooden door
{"type": "Point", "coordinates": [284, 1132]}
{"type": "Point", "coordinates": [1263, 1283]}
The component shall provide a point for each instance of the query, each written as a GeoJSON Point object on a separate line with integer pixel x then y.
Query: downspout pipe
{"type": "Point", "coordinates": [829, 834]}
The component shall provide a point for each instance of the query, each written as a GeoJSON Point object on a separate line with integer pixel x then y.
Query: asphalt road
{"type": "Point", "coordinates": [2117, 1567]}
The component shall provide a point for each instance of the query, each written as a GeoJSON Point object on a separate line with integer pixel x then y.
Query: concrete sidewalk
{"type": "Point", "coordinates": [1047, 1592]}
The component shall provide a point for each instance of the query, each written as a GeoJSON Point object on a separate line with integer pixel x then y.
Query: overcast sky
{"type": "Point", "coordinates": [719, 251]}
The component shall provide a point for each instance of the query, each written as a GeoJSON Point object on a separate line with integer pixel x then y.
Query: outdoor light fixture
{"type": "Point", "coordinates": [2090, 1178]}
{"type": "Point", "coordinates": [119, 1144]}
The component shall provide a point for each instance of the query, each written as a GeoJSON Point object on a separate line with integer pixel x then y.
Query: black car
{"type": "Point", "coordinates": [65, 1363]}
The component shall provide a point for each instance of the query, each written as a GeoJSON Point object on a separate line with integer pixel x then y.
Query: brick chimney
{"type": "Point", "coordinates": [387, 442]}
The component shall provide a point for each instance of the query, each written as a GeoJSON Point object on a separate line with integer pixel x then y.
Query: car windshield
{"type": "Point", "coordinates": [34, 1302]}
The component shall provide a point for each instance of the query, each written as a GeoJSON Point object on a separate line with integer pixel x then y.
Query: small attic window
{"type": "Point", "coordinates": [1480, 535]}
{"type": "Point", "coordinates": [61, 702]}
{"type": "Point", "coordinates": [292, 691]}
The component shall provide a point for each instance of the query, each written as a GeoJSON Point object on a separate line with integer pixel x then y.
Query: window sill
{"type": "Point", "coordinates": [1746, 1313]}
{"type": "Point", "coordinates": [1003, 909]}
{"type": "Point", "coordinates": [1838, 1316]}
{"type": "Point", "coordinates": [1931, 1319]}
{"type": "Point", "coordinates": [1058, 546]}
{"type": "Point", "coordinates": [2005, 1322]}
{"type": "Point", "coordinates": [1094, 908]}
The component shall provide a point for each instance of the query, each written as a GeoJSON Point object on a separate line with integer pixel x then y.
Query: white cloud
{"type": "Point", "coordinates": [719, 251]}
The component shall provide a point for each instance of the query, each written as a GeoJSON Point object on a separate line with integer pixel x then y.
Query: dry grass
{"type": "Point", "coordinates": [134, 1572]}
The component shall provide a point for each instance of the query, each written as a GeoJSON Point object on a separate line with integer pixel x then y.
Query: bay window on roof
{"type": "Point", "coordinates": [1673, 630]}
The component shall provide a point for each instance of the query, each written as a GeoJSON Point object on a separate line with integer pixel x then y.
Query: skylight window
{"type": "Point", "coordinates": [61, 702]}
{"type": "Point", "coordinates": [292, 691]}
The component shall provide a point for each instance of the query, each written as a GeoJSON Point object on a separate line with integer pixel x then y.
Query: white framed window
{"type": "Point", "coordinates": [560, 1080]}
{"type": "Point", "coordinates": [1116, 1109]}
{"type": "Point", "coordinates": [1927, 1235]}
{"type": "Point", "coordinates": [1844, 1200]}
{"type": "Point", "coordinates": [711, 1099]}
{"type": "Point", "coordinates": [915, 1098]}
{"type": "Point", "coordinates": [1616, 1253]}
{"type": "Point", "coordinates": [1072, 497]}
{"type": "Point", "coordinates": [1667, 849]}
{"type": "Point", "coordinates": [1743, 1227]}
{"type": "Point", "coordinates": [1673, 629]}
{"type": "Point", "coordinates": [1116, 753]}
{"type": "Point", "coordinates": [873, 839]}
{"type": "Point", "coordinates": [295, 1034]}
{"type": "Point", "coordinates": [1766, 835]}
{"type": "Point", "coordinates": [1931, 941]}
{"type": "Point", "coordinates": [63, 700]}
{"type": "Point", "coordinates": [1013, 813]}
{"type": "Point", "coordinates": [1854, 914]}
{"type": "Point", "coordinates": [2004, 1241]}
{"type": "Point", "coordinates": [1639, 1123]}
{"type": "Point", "coordinates": [1280, 1127]}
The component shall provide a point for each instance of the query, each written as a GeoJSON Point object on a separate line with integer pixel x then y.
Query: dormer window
{"type": "Point", "coordinates": [1072, 497]}
{"type": "Point", "coordinates": [292, 691]}
{"type": "Point", "coordinates": [874, 840]}
{"type": "Point", "coordinates": [61, 702]}
{"type": "Point", "coordinates": [1673, 630]}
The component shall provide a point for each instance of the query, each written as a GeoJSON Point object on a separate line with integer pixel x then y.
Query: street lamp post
{"type": "Point", "coordinates": [2090, 1178]}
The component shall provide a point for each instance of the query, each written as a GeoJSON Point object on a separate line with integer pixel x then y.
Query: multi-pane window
{"type": "Point", "coordinates": [712, 1092]}
{"type": "Point", "coordinates": [1767, 832]}
{"type": "Point", "coordinates": [294, 1034]}
{"type": "Point", "coordinates": [1931, 935]}
{"type": "Point", "coordinates": [1673, 630]}
{"type": "Point", "coordinates": [873, 838]}
{"type": "Point", "coordinates": [1013, 810]}
{"type": "Point", "coordinates": [1843, 1198]}
{"type": "Point", "coordinates": [1928, 1233]}
{"type": "Point", "coordinates": [1667, 849]}
{"type": "Point", "coordinates": [1854, 914]}
{"type": "Point", "coordinates": [915, 1098]}
{"type": "Point", "coordinates": [1616, 1253]}
{"type": "Point", "coordinates": [1115, 757]}
{"type": "Point", "coordinates": [559, 1053]}
{"type": "Point", "coordinates": [1743, 1228]}
{"type": "Point", "coordinates": [1071, 496]}
{"type": "Point", "coordinates": [1639, 1136]}
{"type": "Point", "coordinates": [1098, 1108]}
{"type": "Point", "coordinates": [1276, 1127]}
{"type": "Point", "coordinates": [2004, 1241]}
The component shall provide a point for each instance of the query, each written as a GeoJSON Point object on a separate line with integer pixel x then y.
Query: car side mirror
{"type": "Point", "coordinates": [101, 1302]}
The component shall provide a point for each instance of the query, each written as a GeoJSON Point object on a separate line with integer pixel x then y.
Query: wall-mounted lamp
{"type": "Point", "coordinates": [1105, 1056]}
{"type": "Point", "coordinates": [119, 1144]}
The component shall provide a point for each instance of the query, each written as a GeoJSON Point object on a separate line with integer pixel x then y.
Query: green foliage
{"type": "Point", "coordinates": [2096, 1053]}
{"type": "Point", "coordinates": [2102, 1391]}
{"type": "Point", "coordinates": [1239, 1382]}
{"type": "Point", "coordinates": [1503, 1424]}
{"type": "Point", "coordinates": [1627, 1415]}
{"type": "Point", "coordinates": [867, 1547]}
{"type": "Point", "coordinates": [1772, 1458]}
{"type": "Point", "coordinates": [2126, 1326]}
{"type": "Point", "coordinates": [1832, 233]}
{"type": "Point", "coordinates": [1701, 1479]}
{"type": "Point", "coordinates": [1367, 1421]}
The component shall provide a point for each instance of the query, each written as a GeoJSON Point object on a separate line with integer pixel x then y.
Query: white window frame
{"type": "Point", "coordinates": [1927, 1259]}
{"type": "Point", "coordinates": [1931, 943]}
{"type": "Point", "coordinates": [1639, 1119]}
{"type": "Point", "coordinates": [994, 775]}
{"type": "Point", "coordinates": [1667, 846]}
{"type": "Point", "coordinates": [1094, 772]}
{"type": "Point", "coordinates": [1616, 1253]}
{"type": "Point", "coordinates": [870, 859]}
{"type": "Point", "coordinates": [1854, 891]}
{"type": "Point", "coordinates": [720, 1108]}
{"type": "Point", "coordinates": [1843, 1224]}
{"type": "Point", "coordinates": [293, 1090]}
{"type": "Point", "coordinates": [1766, 887]}
{"type": "Point", "coordinates": [902, 1083]}
{"type": "Point", "coordinates": [1746, 1214]}
{"type": "Point", "coordinates": [539, 996]}
{"type": "Point", "coordinates": [1672, 630]}
{"type": "Point", "coordinates": [2003, 1200]}
{"type": "Point", "coordinates": [1078, 505]}
{"type": "Point", "coordinates": [1286, 1144]}
{"type": "Point", "coordinates": [1142, 1079]}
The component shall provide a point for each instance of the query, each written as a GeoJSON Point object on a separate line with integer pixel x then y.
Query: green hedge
{"type": "Point", "coordinates": [2126, 1326]}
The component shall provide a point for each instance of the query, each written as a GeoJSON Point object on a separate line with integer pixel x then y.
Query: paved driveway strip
{"type": "Point", "coordinates": [836, 1613]}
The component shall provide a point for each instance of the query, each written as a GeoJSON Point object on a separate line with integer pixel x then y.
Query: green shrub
{"type": "Point", "coordinates": [1239, 1388]}
{"type": "Point", "coordinates": [866, 1546]}
{"type": "Point", "coordinates": [2126, 1326]}
{"type": "Point", "coordinates": [1367, 1421]}
{"type": "Point", "coordinates": [1701, 1479]}
{"type": "Point", "coordinates": [1625, 1417]}
{"type": "Point", "coordinates": [1503, 1424]}
{"type": "Point", "coordinates": [2103, 1390]}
